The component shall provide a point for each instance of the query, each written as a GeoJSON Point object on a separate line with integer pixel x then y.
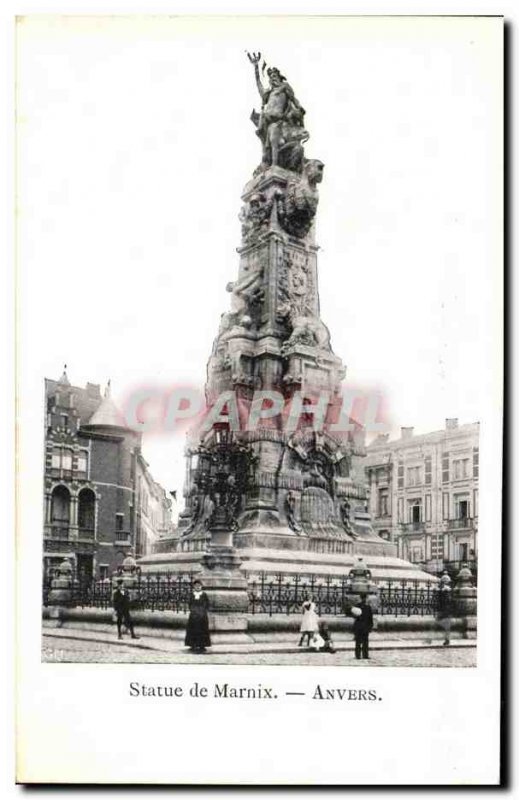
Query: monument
{"type": "Point", "coordinates": [274, 484]}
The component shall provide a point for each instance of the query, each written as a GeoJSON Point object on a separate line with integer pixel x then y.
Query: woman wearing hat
{"type": "Point", "coordinates": [444, 612]}
{"type": "Point", "coordinates": [197, 631]}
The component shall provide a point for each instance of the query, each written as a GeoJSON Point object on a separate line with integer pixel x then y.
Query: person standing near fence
{"type": "Point", "coordinates": [310, 621]}
{"type": "Point", "coordinates": [121, 604]}
{"type": "Point", "coordinates": [444, 612]}
{"type": "Point", "coordinates": [197, 631]}
{"type": "Point", "coordinates": [362, 626]}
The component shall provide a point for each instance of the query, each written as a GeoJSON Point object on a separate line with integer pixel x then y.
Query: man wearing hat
{"type": "Point", "coordinates": [362, 625]}
{"type": "Point", "coordinates": [121, 603]}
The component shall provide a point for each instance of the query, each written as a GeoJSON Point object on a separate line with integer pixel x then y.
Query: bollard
{"type": "Point", "coordinates": [360, 584]}
{"type": "Point", "coordinates": [60, 594]}
{"type": "Point", "coordinates": [465, 594]}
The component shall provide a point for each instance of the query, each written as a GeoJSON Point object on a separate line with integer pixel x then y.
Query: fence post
{"type": "Point", "coordinates": [465, 594]}
{"type": "Point", "coordinates": [60, 594]}
{"type": "Point", "coordinates": [360, 584]}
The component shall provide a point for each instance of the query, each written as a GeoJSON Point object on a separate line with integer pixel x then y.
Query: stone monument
{"type": "Point", "coordinates": [285, 494]}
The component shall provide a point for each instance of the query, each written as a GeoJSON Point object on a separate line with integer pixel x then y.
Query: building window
{"type": "Point", "coordinates": [416, 555]}
{"type": "Point", "coordinates": [476, 502]}
{"type": "Point", "coordinates": [400, 476]}
{"type": "Point", "coordinates": [437, 546]}
{"type": "Point", "coordinates": [445, 506]}
{"type": "Point", "coordinates": [60, 507]}
{"type": "Point", "coordinates": [119, 522]}
{"type": "Point", "coordinates": [428, 470]}
{"type": "Point", "coordinates": [82, 462]}
{"type": "Point", "coordinates": [445, 468]}
{"type": "Point", "coordinates": [463, 551]}
{"type": "Point", "coordinates": [61, 459]}
{"type": "Point", "coordinates": [64, 420]}
{"type": "Point", "coordinates": [462, 509]}
{"type": "Point", "coordinates": [86, 510]}
{"type": "Point", "coordinates": [415, 511]}
{"type": "Point", "coordinates": [475, 463]}
{"type": "Point", "coordinates": [461, 468]}
{"type": "Point", "coordinates": [400, 509]}
{"type": "Point", "coordinates": [383, 504]}
{"type": "Point", "coordinates": [427, 507]}
{"type": "Point", "coordinates": [414, 476]}
{"type": "Point", "coordinates": [103, 571]}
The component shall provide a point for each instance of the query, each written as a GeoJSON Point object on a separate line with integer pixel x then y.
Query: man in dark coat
{"type": "Point", "coordinates": [197, 631]}
{"type": "Point", "coordinates": [121, 602]}
{"type": "Point", "coordinates": [362, 626]}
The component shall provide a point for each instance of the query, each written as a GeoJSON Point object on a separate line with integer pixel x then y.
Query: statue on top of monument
{"type": "Point", "coordinates": [280, 123]}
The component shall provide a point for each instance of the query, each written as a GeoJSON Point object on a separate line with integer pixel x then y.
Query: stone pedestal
{"type": "Point", "coordinates": [226, 588]}
{"type": "Point", "coordinates": [361, 585]}
{"type": "Point", "coordinates": [60, 593]}
{"type": "Point", "coordinates": [465, 594]}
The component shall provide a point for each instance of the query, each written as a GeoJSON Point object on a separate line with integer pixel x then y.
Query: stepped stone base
{"type": "Point", "coordinates": [269, 553]}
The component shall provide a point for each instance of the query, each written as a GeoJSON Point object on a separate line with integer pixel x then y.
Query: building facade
{"type": "Point", "coordinates": [100, 499]}
{"type": "Point", "coordinates": [423, 494]}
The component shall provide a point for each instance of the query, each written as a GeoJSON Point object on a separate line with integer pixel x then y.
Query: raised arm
{"type": "Point", "coordinates": [254, 59]}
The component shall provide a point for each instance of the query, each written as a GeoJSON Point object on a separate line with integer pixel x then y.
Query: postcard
{"type": "Point", "coordinates": [260, 390]}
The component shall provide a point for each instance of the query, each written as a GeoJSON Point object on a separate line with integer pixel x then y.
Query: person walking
{"type": "Point", "coordinates": [197, 631]}
{"type": "Point", "coordinates": [310, 621]}
{"type": "Point", "coordinates": [362, 626]}
{"type": "Point", "coordinates": [444, 612]}
{"type": "Point", "coordinates": [121, 604]}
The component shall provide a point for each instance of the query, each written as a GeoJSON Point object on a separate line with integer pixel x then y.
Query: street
{"type": "Point", "coordinates": [57, 649]}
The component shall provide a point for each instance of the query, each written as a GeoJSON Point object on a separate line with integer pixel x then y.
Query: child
{"type": "Point", "coordinates": [325, 634]}
{"type": "Point", "coordinates": [310, 621]}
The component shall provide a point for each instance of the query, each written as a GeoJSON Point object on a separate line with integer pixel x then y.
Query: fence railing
{"type": "Point", "coordinates": [408, 598]}
{"type": "Point", "coordinates": [268, 594]}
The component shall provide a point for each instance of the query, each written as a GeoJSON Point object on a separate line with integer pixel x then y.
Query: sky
{"type": "Point", "coordinates": [134, 145]}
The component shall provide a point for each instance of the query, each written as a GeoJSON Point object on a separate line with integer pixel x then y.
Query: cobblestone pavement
{"type": "Point", "coordinates": [77, 651]}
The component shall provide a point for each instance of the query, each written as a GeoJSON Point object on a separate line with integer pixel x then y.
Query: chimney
{"type": "Point", "coordinates": [406, 433]}
{"type": "Point", "coordinates": [93, 390]}
{"type": "Point", "coordinates": [451, 423]}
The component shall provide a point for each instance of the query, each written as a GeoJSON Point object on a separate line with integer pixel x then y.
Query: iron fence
{"type": "Point", "coordinates": [165, 592]}
{"type": "Point", "coordinates": [285, 594]}
{"type": "Point", "coordinates": [408, 598]}
{"type": "Point", "coordinates": [268, 594]}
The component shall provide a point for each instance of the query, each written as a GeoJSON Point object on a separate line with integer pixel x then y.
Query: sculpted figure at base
{"type": "Point", "coordinates": [279, 124]}
{"type": "Point", "coordinates": [297, 205]}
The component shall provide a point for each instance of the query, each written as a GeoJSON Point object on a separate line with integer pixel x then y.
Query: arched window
{"type": "Point", "coordinates": [86, 510]}
{"type": "Point", "coordinates": [60, 509]}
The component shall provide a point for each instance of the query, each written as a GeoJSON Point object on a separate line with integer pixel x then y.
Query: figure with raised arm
{"type": "Point", "coordinates": [280, 124]}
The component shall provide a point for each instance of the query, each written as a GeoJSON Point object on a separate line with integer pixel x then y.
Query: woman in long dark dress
{"type": "Point", "coordinates": [197, 631]}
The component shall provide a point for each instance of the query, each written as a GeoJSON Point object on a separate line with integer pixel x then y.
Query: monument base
{"type": "Point", "coordinates": [272, 553]}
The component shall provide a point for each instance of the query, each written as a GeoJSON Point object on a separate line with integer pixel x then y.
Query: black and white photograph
{"type": "Point", "coordinates": [260, 372]}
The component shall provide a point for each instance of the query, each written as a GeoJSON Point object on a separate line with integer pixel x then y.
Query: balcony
{"type": "Point", "coordinates": [123, 537]}
{"type": "Point", "coordinates": [462, 523]}
{"type": "Point", "coordinates": [413, 527]}
{"type": "Point", "coordinates": [86, 533]}
{"type": "Point", "coordinates": [57, 530]}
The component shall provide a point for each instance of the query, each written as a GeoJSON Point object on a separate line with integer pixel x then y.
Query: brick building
{"type": "Point", "coordinates": [423, 494]}
{"type": "Point", "coordinates": [101, 501]}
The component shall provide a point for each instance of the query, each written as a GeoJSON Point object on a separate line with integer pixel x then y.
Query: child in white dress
{"type": "Point", "coordinates": [310, 621]}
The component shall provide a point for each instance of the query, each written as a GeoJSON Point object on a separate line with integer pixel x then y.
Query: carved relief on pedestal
{"type": "Point", "coordinates": [255, 218]}
{"type": "Point", "coordinates": [297, 204]}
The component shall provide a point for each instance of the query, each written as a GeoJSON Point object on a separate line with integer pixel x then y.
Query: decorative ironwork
{"type": "Point", "coordinates": [408, 598]}
{"type": "Point", "coordinates": [285, 594]}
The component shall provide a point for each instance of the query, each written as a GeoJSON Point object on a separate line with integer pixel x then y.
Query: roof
{"type": "Point", "coordinates": [107, 414]}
